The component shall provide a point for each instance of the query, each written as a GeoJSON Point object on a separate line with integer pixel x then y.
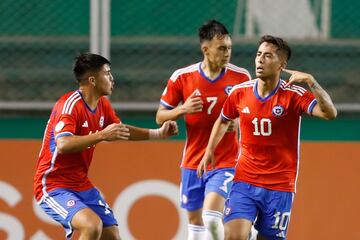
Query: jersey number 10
{"type": "Point", "coordinates": [262, 127]}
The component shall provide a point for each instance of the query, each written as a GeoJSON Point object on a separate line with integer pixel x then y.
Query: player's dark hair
{"type": "Point", "coordinates": [283, 47]}
{"type": "Point", "coordinates": [88, 62]}
{"type": "Point", "coordinates": [210, 29]}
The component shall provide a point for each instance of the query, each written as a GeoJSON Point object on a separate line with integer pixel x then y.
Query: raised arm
{"type": "Point", "coordinates": [324, 108]}
{"type": "Point", "coordinates": [217, 133]}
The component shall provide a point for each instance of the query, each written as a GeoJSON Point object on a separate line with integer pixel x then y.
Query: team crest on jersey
{"type": "Point", "coordinates": [101, 121]}
{"type": "Point", "coordinates": [71, 203]}
{"type": "Point", "coordinates": [278, 110]}
{"type": "Point", "coordinates": [228, 89]}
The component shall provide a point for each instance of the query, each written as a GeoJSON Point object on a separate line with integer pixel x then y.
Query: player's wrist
{"type": "Point", "coordinates": [181, 110]}
{"type": "Point", "coordinates": [155, 134]}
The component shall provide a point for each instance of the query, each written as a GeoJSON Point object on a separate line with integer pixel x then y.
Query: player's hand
{"type": "Point", "coordinates": [168, 129]}
{"type": "Point", "coordinates": [207, 159]}
{"type": "Point", "coordinates": [233, 125]}
{"type": "Point", "coordinates": [299, 77]}
{"type": "Point", "coordinates": [116, 131]}
{"type": "Point", "coordinates": [192, 104]}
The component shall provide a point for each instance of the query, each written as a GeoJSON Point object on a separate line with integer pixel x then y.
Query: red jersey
{"type": "Point", "coordinates": [270, 133]}
{"type": "Point", "coordinates": [70, 116]}
{"type": "Point", "coordinates": [181, 85]}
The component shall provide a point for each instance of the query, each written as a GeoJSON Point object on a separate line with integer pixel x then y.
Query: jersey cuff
{"type": "Point", "coordinates": [225, 118]}
{"type": "Point", "coordinates": [166, 105]}
{"type": "Point", "coordinates": [311, 106]}
{"type": "Point", "coordinates": [63, 134]}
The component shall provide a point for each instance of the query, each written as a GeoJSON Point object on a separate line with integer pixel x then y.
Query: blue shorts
{"type": "Point", "coordinates": [270, 208]}
{"type": "Point", "coordinates": [194, 189]}
{"type": "Point", "coordinates": [62, 204]}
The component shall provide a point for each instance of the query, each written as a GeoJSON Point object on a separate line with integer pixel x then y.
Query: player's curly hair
{"type": "Point", "coordinates": [88, 62]}
{"type": "Point", "coordinates": [210, 29]}
{"type": "Point", "coordinates": [283, 47]}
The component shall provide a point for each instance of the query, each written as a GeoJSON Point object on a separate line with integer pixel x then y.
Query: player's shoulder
{"type": "Point", "coordinates": [185, 70]}
{"type": "Point", "coordinates": [68, 102]}
{"type": "Point", "coordinates": [292, 89]}
{"type": "Point", "coordinates": [238, 70]}
{"type": "Point", "coordinates": [242, 86]}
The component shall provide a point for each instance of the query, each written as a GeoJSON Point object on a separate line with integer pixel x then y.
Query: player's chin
{"type": "Point", "coordinates": [109, 92]}
{"type": "Point", "coordinates": [259, 74]}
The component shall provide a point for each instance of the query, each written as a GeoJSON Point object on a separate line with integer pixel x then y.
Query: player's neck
{"type": "Point", "coordinates": [266, 86]}
{"type": "Point", "coordinates": [89, 97]}
{"type": "Point", "coordinates": [210, 70]}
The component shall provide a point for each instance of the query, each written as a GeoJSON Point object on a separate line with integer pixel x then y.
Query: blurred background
{"type": "Point", "coordinates": [147, 40]}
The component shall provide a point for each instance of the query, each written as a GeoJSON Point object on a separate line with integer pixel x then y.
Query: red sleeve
{"type": "Point", "coordinates": [64, 124]}
{"type": "Point", "coordinates": [229, 111]}
{"type": "Point", "coordinates": [172, 95]}
{"type": "Point", "coordinates": [306, 102]}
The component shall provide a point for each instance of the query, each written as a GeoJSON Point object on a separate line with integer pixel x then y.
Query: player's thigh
{"type": "Point", "coordinates": [192, 190]}
{"type": "Point", "coordinates": [238, 229]}
{"type": "Point", "coordinates": [86, 220]}
{"type": "Point", "coordinates": [95, 201]}
{"type": "Point", "coordinates": [219, 181]}
{"type": "Point", "coordinates": [214, 201]}
{"type": "Point", "coordinates": [241, 203]}
{"type": "Point", "coordinates": [110, 233]}
{"type": "Point", "coordinates": [273, 222]}
{"type": "Point", "coordinates": [62, 205]}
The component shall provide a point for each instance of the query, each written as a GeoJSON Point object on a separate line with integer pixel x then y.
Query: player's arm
{"type": "Point", "coordinates": [168, 129]}
{"type": "Point", "coordinates": [218, 131]}
{"type": "Point", "coordinates": [192, 104]}
{"type": "Point", "coordinates": [74, 143]}
{"type": "Point", "coordinates": [324, 108]}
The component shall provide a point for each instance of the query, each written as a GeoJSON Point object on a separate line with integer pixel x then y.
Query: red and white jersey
{"type": "Point", "coordinates": [70, 116]}
{"type": "Point", "coordinates": [270, 133]}
{"type": "Point", "coordinates": [181, 85]}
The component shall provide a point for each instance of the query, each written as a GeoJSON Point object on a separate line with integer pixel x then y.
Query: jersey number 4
{"type": "Point", "coordinates": [262, 127]}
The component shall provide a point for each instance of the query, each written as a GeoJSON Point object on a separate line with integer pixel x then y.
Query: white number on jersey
{"type": "Point", "coordinates": [265, 127]}
{"type": "Point", "coordinates": [212, 101]}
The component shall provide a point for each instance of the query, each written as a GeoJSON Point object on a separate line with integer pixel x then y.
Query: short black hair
{"type": "Point", "coordinates": [88, 62]}
{"type": "Point", "coordinates": [210, 29]}
{"type": "Point", "coordinates": [283, 47]}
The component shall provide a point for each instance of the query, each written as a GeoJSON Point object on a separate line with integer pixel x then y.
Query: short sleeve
{"type": "Point", "coordinates": [65, 125]}
{"type": "Point", "coordinates": [171, 96]}
{"type": "Point", "coordinates": [229, 111]}
{"type": "Point", "coordinates": [306, 102]}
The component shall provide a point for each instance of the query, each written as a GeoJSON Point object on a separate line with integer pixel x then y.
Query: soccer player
{"type": "Point", "coordinates": [78, 121]}
{"type": "Point", "coordinates": [270, 112]}
{"type": "Point", "coordinates": [202, 89]}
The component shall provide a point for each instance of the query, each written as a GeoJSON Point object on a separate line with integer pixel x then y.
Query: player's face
{"type": "Point", "coordinates": [218, 50]}
{"type": "Point", "coordinates": [104, 80]}
{"type": "Point", "coordinates": [268, 62]}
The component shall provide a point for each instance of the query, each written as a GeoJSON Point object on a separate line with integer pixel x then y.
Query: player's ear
{"type": "Point", "coordinates": [204, 48]}
{"type": "Point", "coordinates": [91, 80]}
{"type": "Point", "coordinates": [283, 64]}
